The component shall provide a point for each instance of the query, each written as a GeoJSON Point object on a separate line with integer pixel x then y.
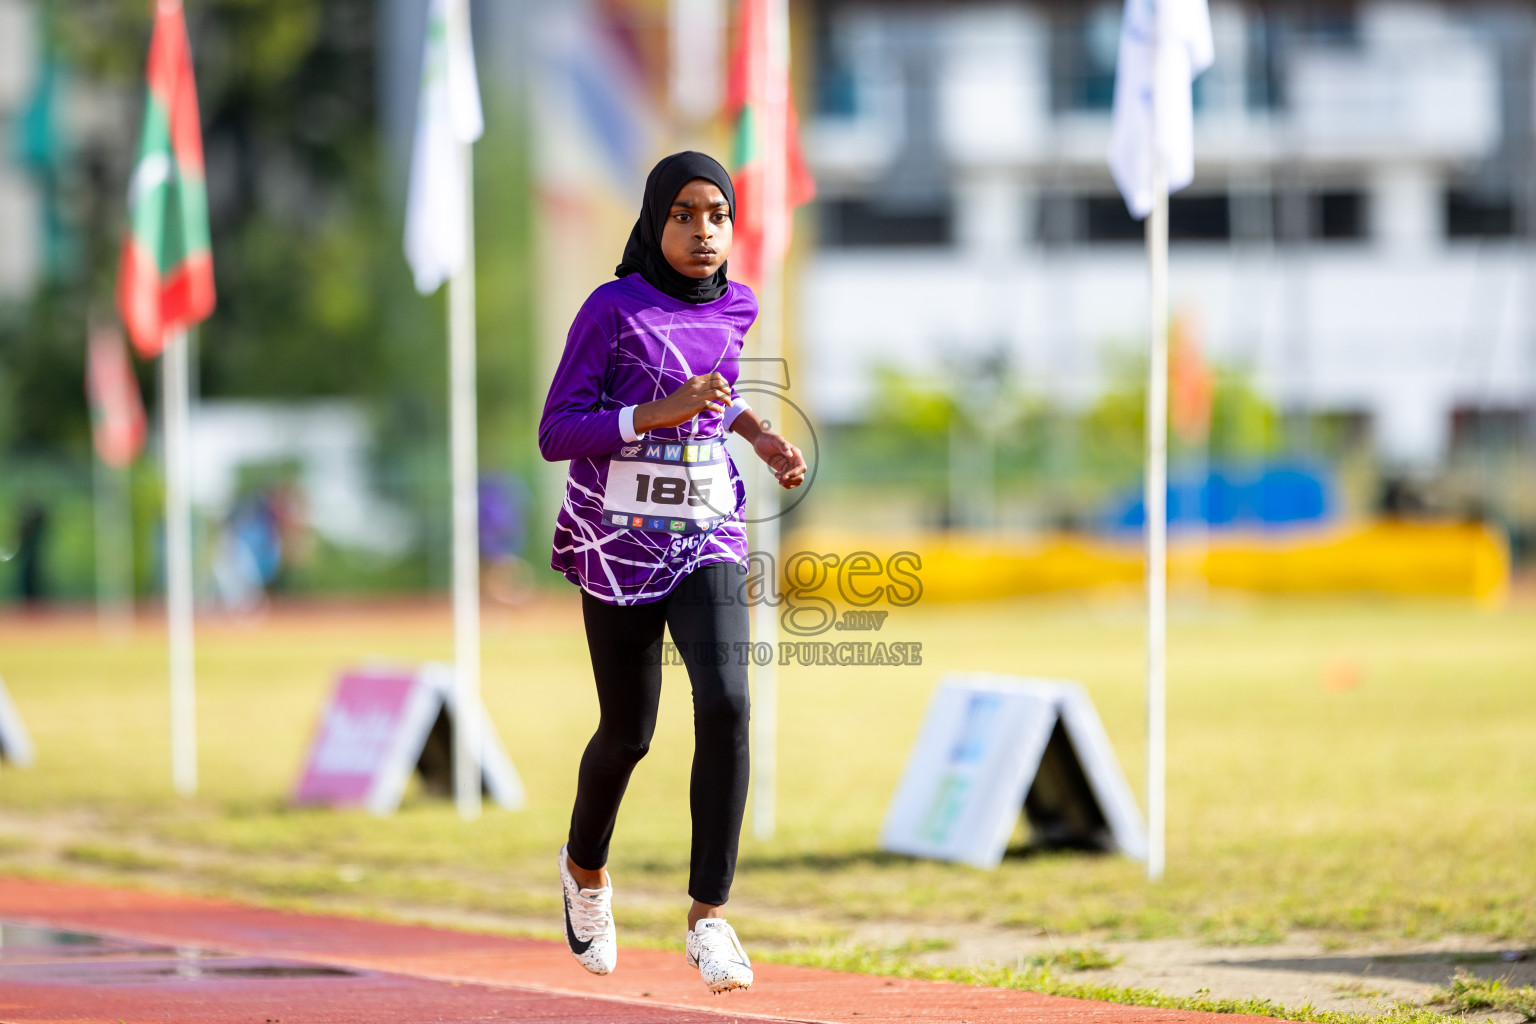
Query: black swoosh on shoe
{"type": "Point", "coordinates": [578, 946]}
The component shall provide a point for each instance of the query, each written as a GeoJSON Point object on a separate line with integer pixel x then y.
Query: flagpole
{"type": "Point", "coordinates": [114, 549]}
{"type": "Point", "coordinates": [175, 379]}
{"type": "Point", "coordinates": [1156, 497]}
{"type": "Point", "coordinates": [464, 458]}
{"type": "Point", "coordinates": [771, 128]}
{"type": "Point", "coordinates": [106, 577]}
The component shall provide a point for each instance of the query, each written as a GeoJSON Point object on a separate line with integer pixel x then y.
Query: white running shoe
{"type": "Point", "coordinates": [589, 927]}
{"type": "Point", "coordinates": [713, 948]}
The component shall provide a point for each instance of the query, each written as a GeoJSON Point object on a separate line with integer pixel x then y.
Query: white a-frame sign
{"type": "Point", "coordinates": [15, 741]}
{"type": "Point", "coordinates": [994, 746]}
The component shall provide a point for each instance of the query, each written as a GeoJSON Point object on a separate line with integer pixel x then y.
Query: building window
{"type": "Point", "coordinates": [1197, 218]}
{"type": "Point", "coordinates": [1484, 429]}
{"type": "Point", "coordinates": [1339, 216]}
{"type": "Point", "coordinates": [1105, 219]}
{"type": "Point", "coordinates": [1262, 84]}
{"type": "Point", "coordinates": [1084, 47]}
{"type": "Point", "coordinates": [1478, 215]}
{"type": "Point", "coordinates": [1334, 25]}
{"type": "Point", "coordinates": [837, 93]}
{"type": "Point", "coordinates": [1336, 215]}
{"type": "Point", "coordinates": [1274, 34]}
{"type": "Point", "coordinates": [1200, 218]}
{"type": "Point", "coordinates": [837, 85]}
{"type": "Point", "coordinates": [1066, 218]}
{"type": "Point", "coordinates": [859, 224]}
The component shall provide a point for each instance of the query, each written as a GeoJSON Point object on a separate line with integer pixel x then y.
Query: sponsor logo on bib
{"type": "Point", "coordinates": [666, 487]}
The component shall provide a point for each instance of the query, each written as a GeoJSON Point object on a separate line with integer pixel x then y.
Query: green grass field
{"type": "Point", "coordinates": [1351, 769]}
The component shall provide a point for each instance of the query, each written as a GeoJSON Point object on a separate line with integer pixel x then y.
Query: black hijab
{"type": "Point", "coordinates": [642, 254]}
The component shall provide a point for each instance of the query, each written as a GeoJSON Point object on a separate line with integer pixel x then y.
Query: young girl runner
{"type": "Point", "coordinates": [651, 530]}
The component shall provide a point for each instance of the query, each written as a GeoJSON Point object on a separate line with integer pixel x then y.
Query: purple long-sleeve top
{"type": "Point", "coordinates": [631, 344]}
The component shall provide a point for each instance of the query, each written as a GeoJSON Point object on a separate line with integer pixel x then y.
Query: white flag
{"type": "Point", "coordinates": [1183, 30]}
{"type": "Point", "coordinates": [448, 118]}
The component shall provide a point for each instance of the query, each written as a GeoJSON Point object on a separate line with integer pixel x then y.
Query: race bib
{"type": "Point", "coordinates": [676, 487]}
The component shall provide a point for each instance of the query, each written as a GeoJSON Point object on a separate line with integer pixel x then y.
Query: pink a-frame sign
{"type": "Point", "coordinates": [372, 734]}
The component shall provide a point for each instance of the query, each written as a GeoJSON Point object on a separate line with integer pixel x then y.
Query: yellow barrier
{"type": "Point", "coordinates": [1458, 559]}
{"type": "Point", "coordinates": [1452, 559]}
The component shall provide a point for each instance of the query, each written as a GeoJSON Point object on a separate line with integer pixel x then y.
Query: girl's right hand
{"type": "Point", "coordinates": [706, 392]}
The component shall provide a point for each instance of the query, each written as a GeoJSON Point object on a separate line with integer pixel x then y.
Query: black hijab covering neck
{"type": "Point", "coordinates": [642, 254]}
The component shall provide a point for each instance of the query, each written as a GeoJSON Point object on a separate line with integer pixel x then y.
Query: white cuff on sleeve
{"type": "Point", "coordinates": [627, 424]}
{"type": "Point", "coordinates": [736, 408]}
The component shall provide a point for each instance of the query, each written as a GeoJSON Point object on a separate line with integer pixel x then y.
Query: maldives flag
{"type": "Point", "coordinates": [165, 278]}
{"type": "Point", "coordinates": [117, 411]}
{"type": "Point", "coordinates": [758, 92]}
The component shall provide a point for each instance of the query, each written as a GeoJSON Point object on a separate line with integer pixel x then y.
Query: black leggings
{"type": "Point", "coordinates": [707, 625]}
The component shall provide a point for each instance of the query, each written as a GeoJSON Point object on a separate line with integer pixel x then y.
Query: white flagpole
{"type": "Point", "coordinates": [114, 549]}
{"type": "Point", "coordinates": [1155, 500]}
{"type": "Point", "coordinates": [175, 377]}
{"type": "Point", "coordinates": [770, 321]}
{"type": "Point", "coordinates": [106, 576]}
{"type": "Point", "coordinates": [464, 459]}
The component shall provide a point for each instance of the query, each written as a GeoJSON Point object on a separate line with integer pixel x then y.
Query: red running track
{"type": "Point", "coordinates": [178, 958]}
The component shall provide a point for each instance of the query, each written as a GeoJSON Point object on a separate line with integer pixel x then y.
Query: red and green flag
{"type": "Point", "coordinates": [165, 278]}
{"type": "Point", "coordinates": [117, 410]}
{"type": "Point", "coordinates": [759, 78]}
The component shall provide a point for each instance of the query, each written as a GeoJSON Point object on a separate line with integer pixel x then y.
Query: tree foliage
{"type": "Point", "coordinates": [314, 298]}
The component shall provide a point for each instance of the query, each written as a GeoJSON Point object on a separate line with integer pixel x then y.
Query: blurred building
{"type": "Point", "coordinates": [1361, 234]}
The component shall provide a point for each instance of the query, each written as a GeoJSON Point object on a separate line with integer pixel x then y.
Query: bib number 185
{"type": "Point", "coordinates": [668, 490]}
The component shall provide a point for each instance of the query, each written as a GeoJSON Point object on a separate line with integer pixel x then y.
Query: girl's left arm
{"type": "Point", "coordinates": [782, 457]}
